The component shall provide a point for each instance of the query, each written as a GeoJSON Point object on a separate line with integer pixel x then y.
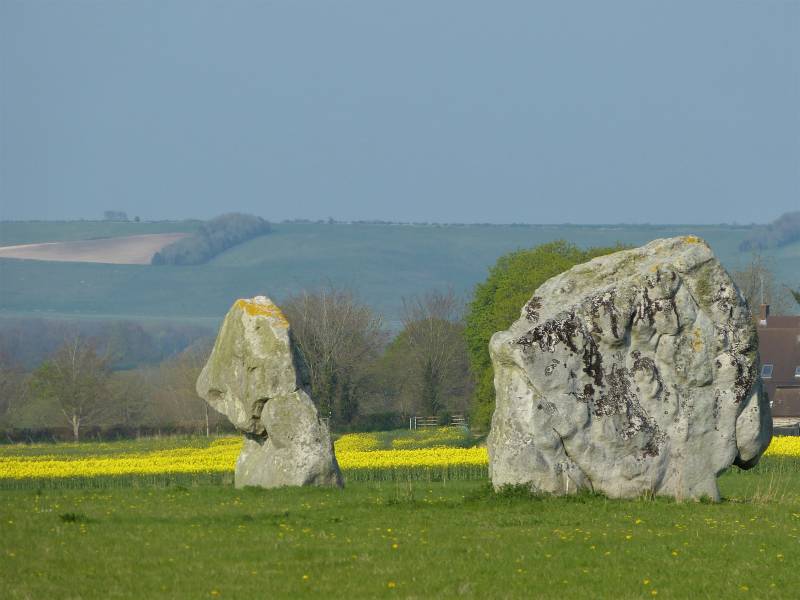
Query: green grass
{"type": "Point", "coordinates": [383, 263]}
{"type": "Point", "coordinates": [429, 540]}
{"type": "Point", "coordinates": [195, 536]}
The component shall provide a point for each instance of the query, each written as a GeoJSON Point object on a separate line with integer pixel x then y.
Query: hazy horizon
{"type": "Point", "coordinates": [622, 112]}
{"type": "Point", "coordinates": [356, 221]}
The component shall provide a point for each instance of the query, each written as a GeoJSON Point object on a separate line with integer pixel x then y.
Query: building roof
{"type": "Point", "coordinates": [783, 322]}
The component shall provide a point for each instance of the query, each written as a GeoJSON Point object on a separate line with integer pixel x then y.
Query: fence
{"type": "Point", "coordinates": [431, 422]}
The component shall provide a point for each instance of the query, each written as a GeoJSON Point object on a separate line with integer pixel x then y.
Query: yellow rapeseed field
{"type": "Point", "coordinates": [219, 456]}
{"type": "Point", "coordinates": [360, 456]}
{"type": "Point", "coordinates": [784, 446]}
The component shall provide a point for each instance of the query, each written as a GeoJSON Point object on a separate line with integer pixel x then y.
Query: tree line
{"type": "Point", "coordinates": [212, 238]}
{"type": "Point", "coordinates": [126, 344]}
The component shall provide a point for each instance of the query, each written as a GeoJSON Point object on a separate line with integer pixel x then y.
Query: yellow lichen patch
{"type": "Point", "coordinates": [697, 340]}
{"type": "Point", "coordinates": [692, 239]}
{"type": "Point", "coordinates": [265, 310]}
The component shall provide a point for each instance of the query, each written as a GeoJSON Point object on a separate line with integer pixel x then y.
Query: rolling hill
{"type": "Point", "coordinates": [122, 250]}
{"type": "Point", "coordinates": [383, 263]}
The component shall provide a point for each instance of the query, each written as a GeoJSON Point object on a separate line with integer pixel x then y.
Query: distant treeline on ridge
{"type": "Point", "coordinates": [781, 232]}
{"type": "Point", "coordinates": [213, 237]}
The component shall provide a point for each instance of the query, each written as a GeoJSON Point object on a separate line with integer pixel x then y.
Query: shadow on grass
{"type": "Point", "coordinates": [74, 517]}
{"type": "Point", "coordinates": [513, 494]}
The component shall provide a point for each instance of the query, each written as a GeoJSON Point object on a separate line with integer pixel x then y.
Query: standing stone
{"type": "Point", "coordinates": [251, 377]}
{"type": "Point", "coordinates": [633, 373]}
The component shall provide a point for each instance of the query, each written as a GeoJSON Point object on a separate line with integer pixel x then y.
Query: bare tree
{"type": "Point", "coordinates": [338, 338]}
{"type": "Point", "coordinates": [176, 395]}
{"type": "Point", "coordinates": [75, 381]}
{"type": "Point", "coordinates": [130, 395]}
{"type": "Point", "coordinates": [11, 387]}
{"type": "Point", "coordinates": [432, 340]}
{"type": "Point", "coordinates": [757, 283]}
{"type": "Point", "coordinates": [427, 363]}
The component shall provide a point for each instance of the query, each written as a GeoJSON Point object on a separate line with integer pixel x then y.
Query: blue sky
{"type": "Point", "coordinates": [454, 111]}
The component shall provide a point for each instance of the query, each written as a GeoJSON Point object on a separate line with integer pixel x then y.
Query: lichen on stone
{"type": "Point", "coordinates": [262, 306]}
{"type": "Point", "coordinates": [629, 375]}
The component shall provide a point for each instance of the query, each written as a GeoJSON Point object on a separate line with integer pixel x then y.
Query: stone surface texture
{"type": "Point", "coordinates": [635, 373]}
{"type": "Point", "coordinates": [252, 377]}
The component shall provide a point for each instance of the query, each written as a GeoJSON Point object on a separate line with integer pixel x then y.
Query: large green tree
{"type": "Point", "coordinates": [497, 302]}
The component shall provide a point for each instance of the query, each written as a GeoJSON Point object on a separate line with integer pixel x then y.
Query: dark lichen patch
{"type": "Point", "coordinates": [661, 277]}
{"type": "Point", "coordinates": [645, 310]}
{"type": "Point", "coordinates": [716, 408]}
{"type": "Point", "coordinates": [737, 337]}
{"type": "Point", "coordinates": [746, 375]}
{"type": "Point", "coordinates": [606, 301]}
{"type": "Point", "coordinates": [586, 395]}
{"type": "Point", "coordinates": [653, 445]}
{"type": "Point", "coordinates": [593, 361]}
{"type": "Point", "coordinates": [725, 300]}
{"type": "Point", "coordinates": [551, 367]}
{"type": "Point", "coordinates": [532, 308]}
{"type": "Point", "coordinates": [618, 398]}
{"type": "Point", "coordinates": [645, 364]}
{"type": "Point", "coordinates": [552, 332]}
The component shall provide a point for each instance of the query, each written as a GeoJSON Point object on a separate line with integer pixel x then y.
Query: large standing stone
{"type": "Point", "coordinates": [633, 373]}
{"type": "Point", "coordinates": [251, 377]}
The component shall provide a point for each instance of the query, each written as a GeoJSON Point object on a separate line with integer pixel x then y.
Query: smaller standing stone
{"type": "Point", "coordinates": [251, 377]}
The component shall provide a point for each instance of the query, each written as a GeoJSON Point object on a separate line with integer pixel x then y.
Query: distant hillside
{"type": "Point", "coordinates": [121, 250]}
{"type": "Point", "coordinates": [212, 238]}
{"type": "Point", "coordinates": [13, 233]}
{"type": "Point", "coordinates": [781, 232]}
{"type": "Point", "coordinates": [383, 263]}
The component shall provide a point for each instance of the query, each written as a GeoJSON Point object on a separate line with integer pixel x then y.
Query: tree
{"type": "Point", "coordinates": [338, 339]}
{"type": "Point", "coordinates": [497, 302]}
{"type": "Point", "coordinates": [176, 396]}
{"type": "Point", "coordinates": [781, 232]}
{"type": "Point", "coordinates": [11, 387]}
{"type": "Point", "coordinates": [211, 238]}
{"type": "Point", "coordinates": [115, 215]}
{"type": "Point", "coordinates": [795, 295]}
{"type": "Point", "coordinates": [427, 363]}
{"type": "Point", "coordinates": [129, 395]}
{"type": "Point", "coordinates": [74, 380]}
{"type": "Point", "coordinates": [758, 286]}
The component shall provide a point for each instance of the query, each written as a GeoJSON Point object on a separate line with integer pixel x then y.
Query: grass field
{"type": "Point", "coordinates": [383, 263]}
{"type": "Point", "coordinates": [393, 538]}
